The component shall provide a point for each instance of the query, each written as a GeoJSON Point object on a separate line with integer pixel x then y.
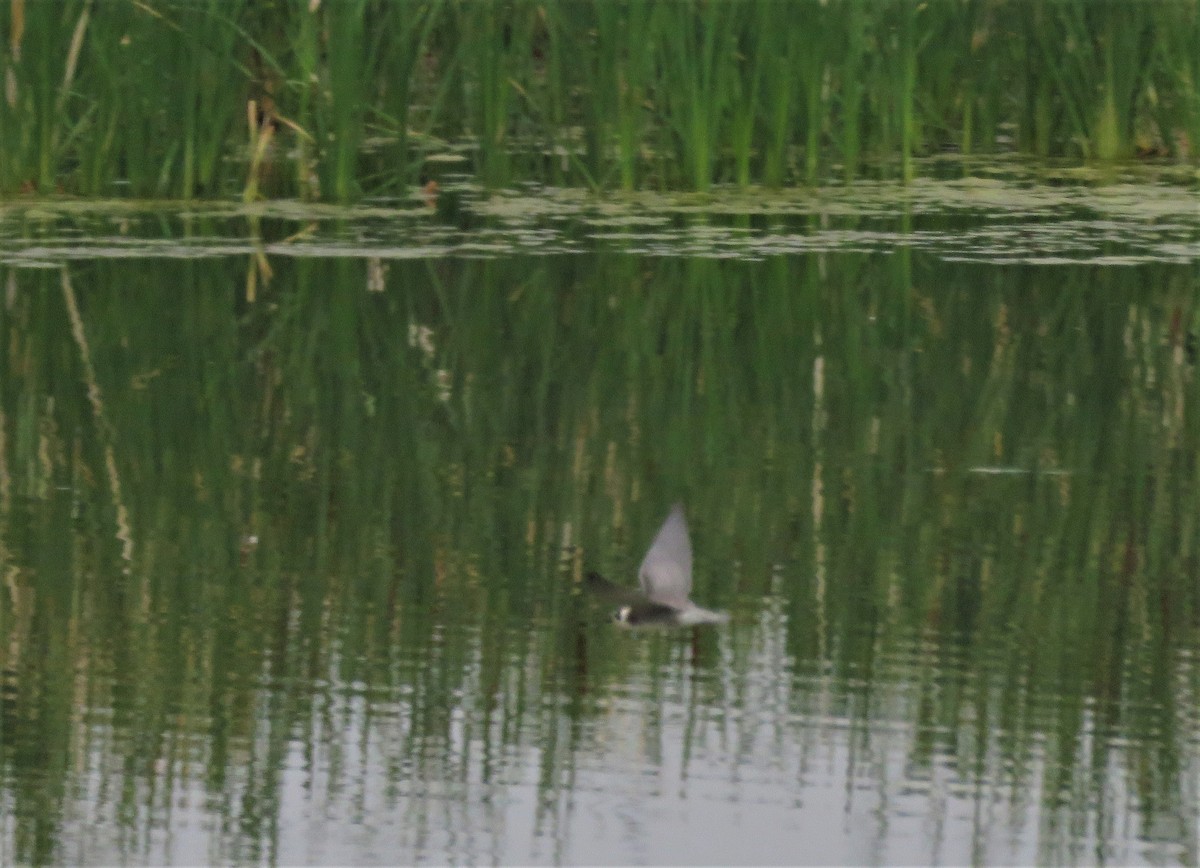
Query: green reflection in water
{"type": "Point", "coordinates": [335, 536]}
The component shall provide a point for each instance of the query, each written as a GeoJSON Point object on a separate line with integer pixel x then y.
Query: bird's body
{"type": "Point", "coordinates": [665, 576]}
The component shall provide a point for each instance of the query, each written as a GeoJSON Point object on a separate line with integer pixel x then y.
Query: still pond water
{"type": "Point", "coordinates": [295, 506]}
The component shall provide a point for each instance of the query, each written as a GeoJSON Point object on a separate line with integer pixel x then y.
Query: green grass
{"type": "Point", "coordinates": [149, 99]}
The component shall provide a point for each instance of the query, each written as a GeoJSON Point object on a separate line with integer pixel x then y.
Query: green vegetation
{"type": "Point", "coordinates": [352, 97]}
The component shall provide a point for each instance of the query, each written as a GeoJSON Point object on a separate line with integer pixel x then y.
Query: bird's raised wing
{"type": "Point", "coordinates": [666, 571]}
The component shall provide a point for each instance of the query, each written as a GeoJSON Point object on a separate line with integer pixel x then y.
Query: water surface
{"type": "Point", "coordinates": [295, 504]}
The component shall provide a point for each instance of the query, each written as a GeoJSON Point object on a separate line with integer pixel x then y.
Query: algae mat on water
{"type": "Point", "coordinates": [1016, 219]}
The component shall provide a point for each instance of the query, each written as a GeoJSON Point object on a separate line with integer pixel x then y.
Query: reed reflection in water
{"type": "Point", "coordinates": [298, 580]}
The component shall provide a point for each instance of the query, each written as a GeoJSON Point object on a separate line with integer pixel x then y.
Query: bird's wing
{"type": "Point", "coordinates": [666, 571]}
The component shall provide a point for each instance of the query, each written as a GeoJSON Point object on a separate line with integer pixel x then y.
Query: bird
{"type": "Point", "coordinates": [665, 577]}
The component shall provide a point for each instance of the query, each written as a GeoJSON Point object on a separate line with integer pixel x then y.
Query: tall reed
{"type": "Point", "coordinates": [147, 99]}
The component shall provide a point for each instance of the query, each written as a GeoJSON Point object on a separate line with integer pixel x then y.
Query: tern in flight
{"type": "Point", "coordinates": [666, 580]}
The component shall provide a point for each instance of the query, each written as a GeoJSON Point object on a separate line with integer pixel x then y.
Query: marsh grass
{"type": "Point", "coordinates": [148, 98]}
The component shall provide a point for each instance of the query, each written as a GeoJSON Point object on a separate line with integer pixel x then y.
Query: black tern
{"type": "Point", "coordinates": [666, 580]}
